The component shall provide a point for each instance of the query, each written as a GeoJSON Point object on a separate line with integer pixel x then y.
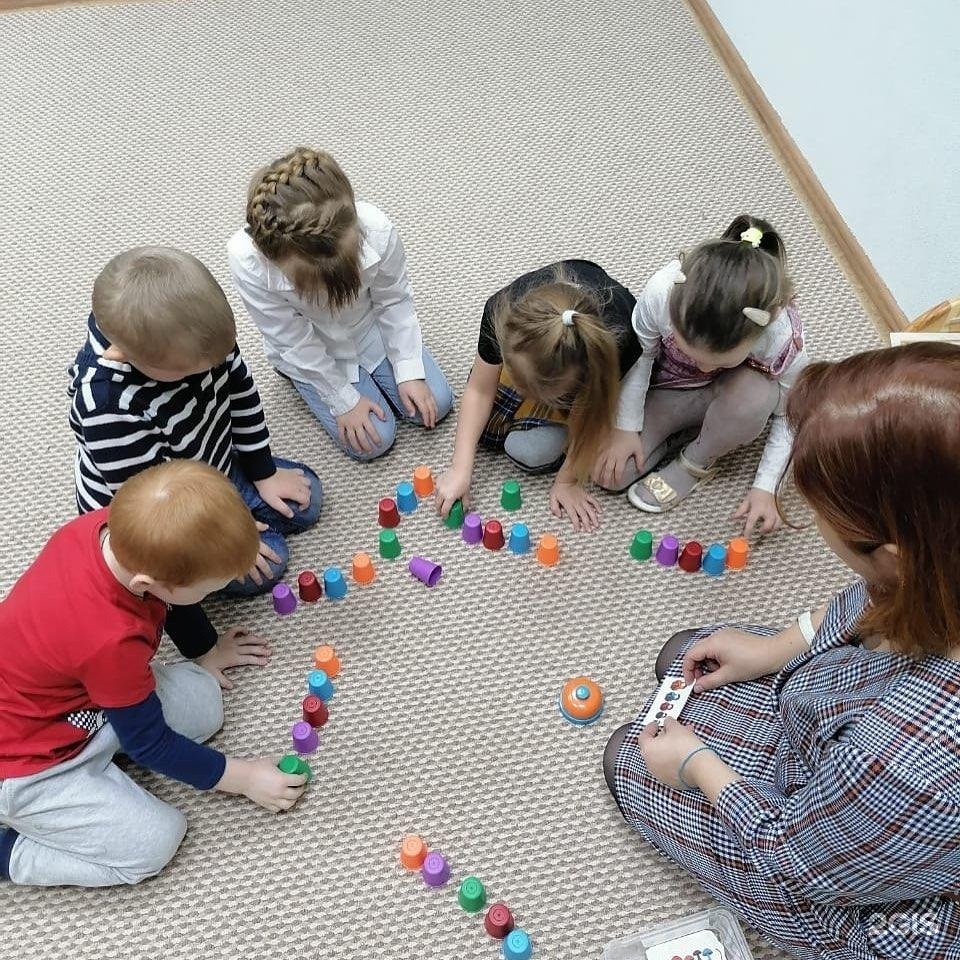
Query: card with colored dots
{"type": "Point", "coordinates": [669, 701]}
{"type": "Point", "coordinates": [702, 945]}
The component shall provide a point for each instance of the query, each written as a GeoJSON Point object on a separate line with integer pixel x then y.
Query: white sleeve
{"type": "Point", "coordinates": [776, 452]}
{"type": "Point", "coordinates": [292, 335]}
{"type": "Point", "coordinates": [396, 314]}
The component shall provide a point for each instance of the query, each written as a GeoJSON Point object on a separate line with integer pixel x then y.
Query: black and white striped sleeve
{"type": "Point", "coordinates": [251, 439]}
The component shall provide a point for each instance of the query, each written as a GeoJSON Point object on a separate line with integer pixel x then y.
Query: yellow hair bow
{"type": "Point", "coordinates": [753, 236]}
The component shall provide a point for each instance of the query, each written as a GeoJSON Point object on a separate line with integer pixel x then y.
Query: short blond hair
{"type": "Point", "coordinates": [161, 305]}
{"type": "Point", "coordinates": [182, 522]}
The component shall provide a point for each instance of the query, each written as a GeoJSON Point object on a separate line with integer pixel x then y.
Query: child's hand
{"type": "Point", "coordinates": [285, 484]}
{"type": "Point", "coordinates": [730, 656]}
{"type": "Point", "coordinates": [758, 508]}
{"type": "Point", "coordinates": [265, 556]}
{"type": "Point", "coordinates": [263, 783]}
{"type": "Point", "coordinates": [612, 461]}
{"type": "Point", "coordinates": [663, 751]}
{"type": "Point", "coordinates": [417, 398]}
{"type": "Point", "coordinates": [238, 647]}
{"type": "Point", "coordinates": [357, 430]}
{"type": "Point", "coordinates": [452, 486]}
{"type": "Point", "coordinates": [570, 498]}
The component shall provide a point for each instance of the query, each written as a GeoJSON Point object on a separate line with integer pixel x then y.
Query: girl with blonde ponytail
{"type": "Point", "coordinates": [324, 278]}
{"type": "Point", "coordinates": [545, 383]}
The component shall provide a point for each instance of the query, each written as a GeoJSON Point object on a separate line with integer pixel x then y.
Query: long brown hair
{"type": "Point", "coordinates": [877, 455]}
{"type": "Point", "coordinates": [722, 277]}
{"type": "Point", "coordinates": [581, 357]}
{"type": "Point", "coordinates": [301, 213]}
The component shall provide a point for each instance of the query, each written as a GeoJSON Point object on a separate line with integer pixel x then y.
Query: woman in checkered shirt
{"type": "Point", "coordinates": [820, 794]}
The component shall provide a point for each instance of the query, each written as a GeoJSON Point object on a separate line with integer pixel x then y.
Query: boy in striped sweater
{"type": "Point", "coordinates": [161, 378]}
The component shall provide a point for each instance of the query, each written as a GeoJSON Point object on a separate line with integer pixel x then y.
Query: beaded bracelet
{"type": "Point", "coordinates": [683, 783]}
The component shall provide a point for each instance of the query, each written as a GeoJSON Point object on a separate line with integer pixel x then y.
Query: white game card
{"type": "Point", "coordinates": [669, 701]}
{"type": "Point", "coordinates": [702, 945]}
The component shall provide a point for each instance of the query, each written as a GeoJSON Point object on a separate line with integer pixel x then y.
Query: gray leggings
{"type": "Point", "coordinates": [730, 412]}
{"type": "Point", "coordinates": [84, 822]}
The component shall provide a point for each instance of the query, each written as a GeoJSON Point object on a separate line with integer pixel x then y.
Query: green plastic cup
{"type": "Point", "coordinates": [510, 496]}
{"type": "Point", "coordinates": [295, 765]}
{"type": "Point", "coordinates": [389, 545]}
{"type": "Point", "coordinates": [641, 548]}
{"type": "Point", "coordinates": [455, 517]}
{"type": "Point", "coordinates": [472, 895]}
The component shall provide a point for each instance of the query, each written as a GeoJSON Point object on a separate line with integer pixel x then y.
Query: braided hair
{"type": "Point", "coordinates": [301, 214]}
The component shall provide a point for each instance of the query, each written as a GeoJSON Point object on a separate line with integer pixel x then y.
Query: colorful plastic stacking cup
{"type": "Point", "coordinates": [426, 571]}
{"type": "Point", "coordinates": [517, 945]}
{"type": "Point", "coordinates": [309, 587]}
{"type": "Point", "coordinates": [295, 766]}
{"type": "Point", "coordinates": [435, 870]}
{"type": "Point", "coordinates": [499, 921]}
{"type": "Point", "coordinates": [305, 738]}
{"type": "Point", "coordinates": [493, 535]}
{"type": "Point", "coordinates": [334, 583]}
{"type": "Point", "coordinates": [413, 851]}
{"type": "Point", "coordinates": [641, 547]}
{"type": "Point", "coordinates": [284, 601]}
{"type": "Point", "coordinates": [548, 550]}
{"type": "Point", "coordinates": [737, 553]}
{"type": "Point", "coordinates": [325, 658]}
{"type": "Point", "coordinates": [472, 528]}
{"type": "Point", "coordinates": [691, 557]}
{"type": "Point", "coordinates": [389, 545]}
{"type": "Point", "coordinates": [519, 542]}
{"type": "Point", "coordinates": [320, 685]}
{"type": "Point", "coordinates": [715, 562]}
{"type": "Point", "coordinates": [315, 711]}
{"type": "Point", "coordinates": [455, 517]}
{"type": "Point", "coordinates": [423, 482]}
{"type": "Point", "coordinates": [406, 497]}
{"type": "Point", "coordinates": [581, 701]}
{"type": "Point", "coordinates": [667, 551]}
{"type": "Point", "coordinates": [388, 516]}
{"type": "Point", "coordinates": [362, 569]}
{"type": "Point", "coordinates": [510, 498]}
{"type": "Point", "coordinates": [471, 896]}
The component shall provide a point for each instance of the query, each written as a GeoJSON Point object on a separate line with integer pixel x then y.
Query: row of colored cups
{"type": "Point", "coordinates": [490, 534]}
{"type": "Point", "coordinates": [471, 895]}
{"type": "Point", "coordinates": [691, 557]}
{"type": "Point", "coordinates": [304, 733]}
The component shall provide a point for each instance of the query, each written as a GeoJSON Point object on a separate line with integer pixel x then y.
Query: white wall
{"type": "Point", "coordinates": [870, 92]}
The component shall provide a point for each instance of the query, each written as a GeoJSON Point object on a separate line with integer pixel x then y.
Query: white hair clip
{"type": "Point", "coordinates": [567, 317]}
{"type": "Point", "coordinates": [760, 317]}
{"type": "Point", "coordinates": [681, 277]}
{"type": "Point", "coordinates": [753, 236]}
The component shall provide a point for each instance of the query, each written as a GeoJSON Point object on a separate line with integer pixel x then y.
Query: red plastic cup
{"type": "Point", "coordinates": [309, 586]}
{"type": "Point", "coordinates": [493, 535]}
{"type": "Point", "coordinates": [389, 515]}
{"type": "Point", "coordinates": [499, 921]}
{"type": "Point", "coordinates": [315, 711]}
{"type": "Point", "coordinates": [691, 557]}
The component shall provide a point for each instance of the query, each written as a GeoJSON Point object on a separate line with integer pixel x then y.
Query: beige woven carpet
{"type": "Point", "coordinates": [499, 136]}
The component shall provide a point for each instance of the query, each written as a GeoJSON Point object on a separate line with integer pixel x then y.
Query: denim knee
{"type": "Point", "coordinates": [388, 434]}
{"type": "Point", "coordinates": [307, 516]}
{"type": "Point", "coordinates": [247, 587]}
{"type": "Point", "coordinates": [444, 398]}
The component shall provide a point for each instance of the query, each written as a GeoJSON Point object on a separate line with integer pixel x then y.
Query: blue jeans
{"type": "Point", "coordinates": [280, 527]}
{"type": "Point", "coordinates": [380, 386]}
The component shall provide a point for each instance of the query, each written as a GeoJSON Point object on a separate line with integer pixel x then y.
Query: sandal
{"type": "Point", "coordinates": [664, 496]}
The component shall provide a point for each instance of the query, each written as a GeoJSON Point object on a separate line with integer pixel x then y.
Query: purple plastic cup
{"type": "Point", "coordinates": [305, 738]}
{"type": "Point", "coordinates": [668, 550]}
{"type": "Point", "coordinates": [284, 599]}
{"type": "Point", "coordinates": [425, 570]}
{"type": "Point", "coordinates": [472, 528]}
{"type": "Point", "coordinates": [435, 869]}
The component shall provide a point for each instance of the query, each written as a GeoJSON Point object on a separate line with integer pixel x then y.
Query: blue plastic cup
{"type": "Point", "coordinates": [519, 539]}
{"type": "Point", "coordinates": [715, 561]}
{"type": "Point", "coordinates": [516, 945]}
{"type": "Point", "coordinates": [320, 684]}
{"type": "Point", "coordinates": [334, 584]}
{"type": "Point", "coordinates": [406, 497]}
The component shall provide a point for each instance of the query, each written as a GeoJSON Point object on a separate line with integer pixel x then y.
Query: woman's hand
{"type": "Point", "coordinates": [612, 461]}
{"type": "Point", "coordinates": [758, 509]}
{"type": "Point", "coordinates": [452, 486]}
{"type": "Point", "coordinates": [730, 656]}
{"type": "Point", "coordinates": [568, 497]}
{"type": "Point", "coordinates": [417, 398]}
{"type": "Point", "coordinates": [356, 428]}
{"type": "Point", "coordinates": [663, 751]}
{"type": "Point", "coordinates": [237, 647]}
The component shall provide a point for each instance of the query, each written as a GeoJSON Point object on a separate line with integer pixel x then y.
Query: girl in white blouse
{"type": "Point", "coordinates": [722, 342]}
{"type": "Point", "coordinates": [324, 278]}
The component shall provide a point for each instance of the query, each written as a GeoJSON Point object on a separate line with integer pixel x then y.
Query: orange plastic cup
{"type": "Point", "coordinates": [363, 571]}
{"type": "Point", "coordinates": [325, 658]}
{"type": "Point", "coordinates": [423, 481]}
{"type": "Point", "coordinates": [413, 851]}
{"type": "Point", "coordinates": [548, 550]}
{"type": "Point", "coordinates": [737, 553]}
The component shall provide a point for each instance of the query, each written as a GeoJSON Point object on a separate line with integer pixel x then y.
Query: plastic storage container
{"type": "Point", "coordinates": [680, 937]}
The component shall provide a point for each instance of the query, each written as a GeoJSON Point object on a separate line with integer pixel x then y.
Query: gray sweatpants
{"type": "Point", "coordinates": [85, 822]}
